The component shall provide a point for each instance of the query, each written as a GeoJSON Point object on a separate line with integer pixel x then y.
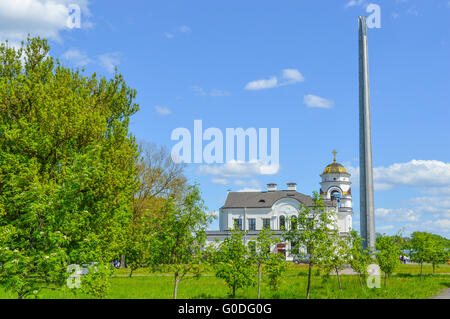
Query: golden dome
{"type": "Point", "coordinates": [334, 168]}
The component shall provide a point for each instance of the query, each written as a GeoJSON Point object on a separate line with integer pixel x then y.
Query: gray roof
{"type": "Point", "coordinates": [266, 199]}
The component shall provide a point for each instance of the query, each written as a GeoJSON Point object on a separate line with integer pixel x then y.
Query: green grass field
{"type": "Point", "coordinates": [406, 284]}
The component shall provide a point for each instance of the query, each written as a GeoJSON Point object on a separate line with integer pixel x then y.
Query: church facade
{"type": "Point", "coordinates": [273, 208]}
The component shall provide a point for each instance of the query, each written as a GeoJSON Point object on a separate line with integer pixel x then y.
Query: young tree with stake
{"type": "Point", "coordinates": [334, 253]}
{"type": "Point", "coordinates": [181, 235]}
{"type": "Point", "coordinates": [233, 262]}
{"type": "Point", "coordinates": [262, 252]}
{"type": "Point", "coordinates": [359, 259]}
{"type": "Point", "coordinates": [388, 252]}
{"type": "Point", "coordinates": [311, 231]}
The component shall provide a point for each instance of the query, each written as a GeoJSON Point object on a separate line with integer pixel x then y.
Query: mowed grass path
{"type": "Point", "coordinates": [406, 284]}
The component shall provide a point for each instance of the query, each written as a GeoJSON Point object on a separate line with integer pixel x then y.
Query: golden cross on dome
{"type": "Point", "coordinates": [334, 153]}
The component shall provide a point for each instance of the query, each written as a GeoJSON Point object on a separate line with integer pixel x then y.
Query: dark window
{"type": "Point", "coordinates": [282, 222]}
{"type": "Point", "coordinates": [251, 224]}
{"type": "Point", "coordinates": [238, 223]}
{"type": "Point", "coordinates": [266, 223]}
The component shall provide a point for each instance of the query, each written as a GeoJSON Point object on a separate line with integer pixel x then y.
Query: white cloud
{"type": "Point", "coordinates": [437, 191]}
{"type": "Point", "coordinates": [239, 169]}
{"type": "Point", "coordinates": [395, 15]}
{"type": "Point", "coordinates": [180, 29]}
{"type": "Point", "coordinates": [436, 206]}
{"type": "Point", "coordinates": [222, 181]}
{"type": "Point", "coordinates": [79, 58]}
{"type": "Point", "coordinates": [317, 101]}
{"type": "Point", "coordinates": [213, 92]}
{"type": "Point", "coordinates": [430, 177]}
{"type": "Point", "coordinates": [110, 60]}
{"type": "Point", "coordinates": [397, 215]}
{"type": "Point", "coordinates": [162, 110]}
{"type": "Point", "coordinates": [217, 92]}
{"type": "Point", "coordinates": [198, 90]}
{"type": "Point", "coordinates": [247, 189]}
{"type": "Point", "coordinates": [385, 227]}
{"type": "Point", "coordinates": [353, 3]}
{"type": "Point", "coordinates": [292, 76]}
{"type": "Point", "coordinates": [288, 77]}
{"type": "Point", "coordinates": [413, 11]}
{"type": "Point", "coordinates": [184, 29]}
{"type": "Point", "coordinates": [248, 183]}
{"type": "Point", "coordinates": [415, 173]}
{"type": "Point", "coordinates": [262, 84]}
{"type": "Point", "coordinates": [45, 18]}
{"type": "Point", "coordinates": [252, 183]}
{"type": "Point", "coordinates": [438, 226]}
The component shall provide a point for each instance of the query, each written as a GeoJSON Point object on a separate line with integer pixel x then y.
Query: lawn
{"type": "Point", "coordinates": [405, 284]}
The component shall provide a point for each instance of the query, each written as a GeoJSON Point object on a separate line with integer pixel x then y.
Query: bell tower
{"type": "Point", "coordinates": [335, 185]}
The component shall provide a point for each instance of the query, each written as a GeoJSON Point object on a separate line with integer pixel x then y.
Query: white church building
{"type": "Point", "coordinates": [253, 211]}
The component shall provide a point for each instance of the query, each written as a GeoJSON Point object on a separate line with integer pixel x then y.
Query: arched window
{"type": "Point", "coordinates": [282, 222]}
{"type": "Point", "coordinates": [336, 195]}
{"type": "Point", "coordinates": [293, 222]}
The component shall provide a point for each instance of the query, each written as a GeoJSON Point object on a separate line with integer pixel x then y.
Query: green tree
{"type": "Point", "coordinates": [419, 248]}
{"type": "Point", "coordinates": [428, 248]}
{"type": "Point", "coordinates": [274, 268]}
{"type": "Point", "coordinates": [181, 236]}
{"type": "Point", "coordinates": [66, 167]}
{"type": "Point", "coordinates": [388, 253]}
{"type": "Point", "coordinates": [439, 252]}
{"type": "Point", "coordinates": [96, 282]}
{"type": "Point", "coordinates": [262, 252]}
{"type": "Point", "coordinates": [360, 259]}
{"type": "Point", "coordinates": [159, 179]}
{"type": "Point", "coordinates": [310, 231]}
{"type": "Point", "coordinates": [233, 262]}
{"type": "Point", "coordinates": [335, 253]}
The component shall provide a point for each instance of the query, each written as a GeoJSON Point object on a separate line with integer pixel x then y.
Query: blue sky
{"type": "Point", "coordinates": [194, 61]}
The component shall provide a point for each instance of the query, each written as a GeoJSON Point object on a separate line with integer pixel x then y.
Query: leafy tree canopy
{"type": "Point", "coordinates": [66, 167]}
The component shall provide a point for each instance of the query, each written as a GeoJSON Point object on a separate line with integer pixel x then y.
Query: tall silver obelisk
{"type": "Point", "coordinates": [365, 143]}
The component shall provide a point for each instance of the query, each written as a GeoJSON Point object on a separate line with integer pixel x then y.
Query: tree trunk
{"type": "Point", "coordinates": [122, 261]}
{"type": "Point", "coordinates": [175, 289]}
{"type": "Point", "coordinates": [338, 278]}
{"type": "Point", "coordinates": [309, 280]}
{"type": "Point", "coordinates": [259, 281]}
{"type": "Point", "coordinates": [360, 281]}
{"type": "Point", "coordinates": [131, 272]}
{"type": "Point", "coordinates": [385, 278]}
{"type": "Point", "coordinates": [434, 269]}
